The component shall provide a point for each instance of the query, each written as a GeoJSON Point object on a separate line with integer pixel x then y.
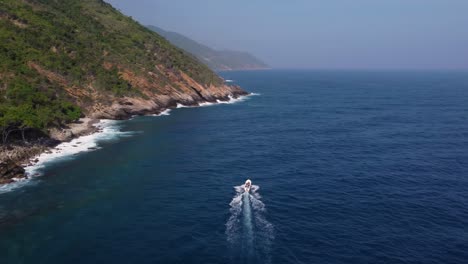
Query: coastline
{"type": "Point", "coordinates": [15, 158]}
{"type": "Point", "coordinates": [20, 163]}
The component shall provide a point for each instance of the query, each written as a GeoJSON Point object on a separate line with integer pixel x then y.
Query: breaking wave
{"type": "Point", "coordinates": [249, 234]}
{"type": "Point", "coordinates": [231, 100]}
{"type": "Point", "coordinates": [164, 113]}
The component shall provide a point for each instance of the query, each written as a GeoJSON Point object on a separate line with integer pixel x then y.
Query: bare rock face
{"type": "Point", "coordinates": [192, 95]}
{"type": "Point", "coordinates": [83, 126]}
{"type": "Point", "coordinates": [12, 158]}
{"type": "Point", "coordinates": [124, 108]}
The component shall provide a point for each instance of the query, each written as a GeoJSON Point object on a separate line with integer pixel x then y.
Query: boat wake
{"type": "Point", "coordinates": [249, 234]}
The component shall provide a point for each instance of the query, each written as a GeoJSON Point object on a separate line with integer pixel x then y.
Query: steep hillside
{"type": "Point", "coordinates": [60, 60]}
{"type": "Point", "coordinates": [218, 60]}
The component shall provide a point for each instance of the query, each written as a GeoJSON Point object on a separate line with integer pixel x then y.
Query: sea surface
{"type": "Point", "coordinates": [347, 167]}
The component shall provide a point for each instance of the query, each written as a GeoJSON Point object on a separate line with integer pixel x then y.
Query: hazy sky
{"type": "Point", "coordinates": [369, 34]}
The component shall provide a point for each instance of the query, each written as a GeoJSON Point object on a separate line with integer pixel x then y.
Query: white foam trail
{"type": "Point", "coordinates": [264, 230]}
{"type": "Point", "coordinates": [248, 234]}
{"type": "Point", "coordinates": [232, 225]}
{"type": "Point", "coordinates": [108, 130]}
{"type": "Point", "coordinates": [247, 228]}
{"type": "Point", "coordinates": [229, 81]}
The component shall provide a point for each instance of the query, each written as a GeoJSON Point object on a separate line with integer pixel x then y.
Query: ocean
{"type": "Point", "coordinates": [346, 166]}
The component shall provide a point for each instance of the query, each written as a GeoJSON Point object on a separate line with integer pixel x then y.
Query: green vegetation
{"type": "Point", "coordinates": [217, 60]}
{"type": "Point", "coordinates": [58, 56]}
{"type": "Point", "coordinates": [23, 107]}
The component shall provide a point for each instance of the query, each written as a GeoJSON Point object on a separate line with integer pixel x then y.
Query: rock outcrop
{"type": "Point", "coordinates": [10, 170]}
{"type": "Point", "coordinates": [126, 107]}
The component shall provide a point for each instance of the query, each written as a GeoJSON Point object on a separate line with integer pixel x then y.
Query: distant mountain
{"type": "Point", "coordinates": [219, 60]}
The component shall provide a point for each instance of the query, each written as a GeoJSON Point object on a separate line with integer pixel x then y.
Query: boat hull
{"type": "Point", "coordinates": [247, 186]}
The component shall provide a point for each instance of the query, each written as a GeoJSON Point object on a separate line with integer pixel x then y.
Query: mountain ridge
{"type": "Point", "coordinates": [218, 60]}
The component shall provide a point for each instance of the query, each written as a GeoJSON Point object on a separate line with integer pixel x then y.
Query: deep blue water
{"type": "Point", "coordinates": [352, 167]}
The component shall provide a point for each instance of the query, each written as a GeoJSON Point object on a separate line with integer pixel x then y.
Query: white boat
{"type": "Point", "coordinates": [247, 185]}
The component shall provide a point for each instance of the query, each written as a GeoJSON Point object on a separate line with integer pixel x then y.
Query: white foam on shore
{"type": "Point", "coordinates": [183, 106]}
{"type": "Point", "coordinates": [108, 130]}
{"type": "Point", "coordinates": [231, 100]}
{"type": "Point", "coordinates": [205, 104]}
{"type": "Point", "coordinates": [166, 112]}
{"type": "Point", "coordinates": [18, 183]}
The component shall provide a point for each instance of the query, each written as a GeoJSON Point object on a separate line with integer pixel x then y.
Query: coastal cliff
{"type": "Point", "coordinates": [65, 60]}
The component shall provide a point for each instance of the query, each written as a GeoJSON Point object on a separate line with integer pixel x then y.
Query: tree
{"type": "Point", "coordinates": [28, 119]}
{"type": "Point", "coordinates": [9, 122]}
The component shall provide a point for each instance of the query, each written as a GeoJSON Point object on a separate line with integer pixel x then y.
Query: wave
{"type": "Point", "coordinates": [18, 183]}
{"type": "Point", "coordinates": [249, 234]}
{"type": "Point", "coordinates": [166, 112]}
{"type": "Point", "coordinates": [183, 106]}
{"type": "Point", "coordinates": [231, 100]}
{"type": "Point", "coordinates": [108, 130]}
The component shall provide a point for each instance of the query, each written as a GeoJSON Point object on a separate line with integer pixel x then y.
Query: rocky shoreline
{"type": "Point", "coordinates": [15, 157]}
